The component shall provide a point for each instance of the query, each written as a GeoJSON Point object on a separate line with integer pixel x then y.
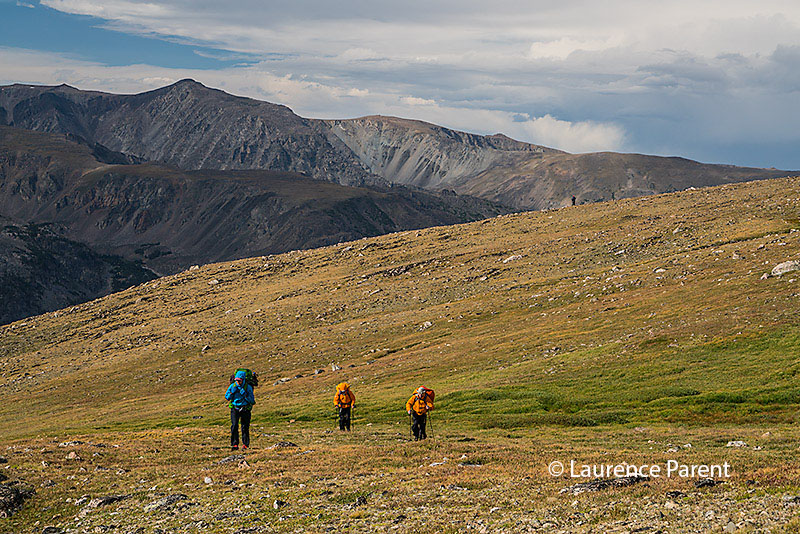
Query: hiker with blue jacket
{"type": "Point", "coordinates": [241, 397]}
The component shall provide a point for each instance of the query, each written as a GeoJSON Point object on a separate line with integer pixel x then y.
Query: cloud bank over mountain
{"type": "Point", "coordinates": [715, 81]}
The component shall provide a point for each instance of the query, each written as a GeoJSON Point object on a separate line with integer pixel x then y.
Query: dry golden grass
{"type": "Point", "coordinates": [550, 333]}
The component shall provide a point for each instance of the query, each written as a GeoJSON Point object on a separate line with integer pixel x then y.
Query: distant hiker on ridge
{"type": "Point", "coordinates": [574, 199]}
{"type": "Point", "coordinates": [344, 400]}
{"type": "Point", "coordinates": [418, 406]}
{"type": "Point", "coordinates": [241, 397]}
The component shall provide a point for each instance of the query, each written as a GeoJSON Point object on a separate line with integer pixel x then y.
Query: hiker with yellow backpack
{"type": "Point", "coordinates": [241, 400]}
{"type": "Point", "coordinates": [344, 400]}
{"type": "Point", "coordinates": [418, 406]}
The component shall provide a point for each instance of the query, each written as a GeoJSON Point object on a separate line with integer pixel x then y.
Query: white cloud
{"type": "Point", "coordinates": [311, 98]}
{"type": "Point", "coordinates": [622, 74]}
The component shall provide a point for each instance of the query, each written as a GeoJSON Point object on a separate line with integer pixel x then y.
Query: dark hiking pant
{"type": "Point", "coordinates": [236, 417]}
{"type": "Point", "coordinates": [418, 425]}
{"type": "Point", "coordinates": [344, 419]}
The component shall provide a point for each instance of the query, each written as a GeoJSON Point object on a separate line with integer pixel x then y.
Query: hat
{"type": "Point", "coordinates": [240, 375]}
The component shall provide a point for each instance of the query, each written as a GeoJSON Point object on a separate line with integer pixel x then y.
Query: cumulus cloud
{"type": "Point", "coordinates": [314, 99]}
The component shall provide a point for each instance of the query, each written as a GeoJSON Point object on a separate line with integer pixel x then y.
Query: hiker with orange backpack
{"type": "Point", "coordinates": [418, 406]}
{"type": "Point", "coordinates": [344, 400]}
{"type": "Point", "coordinates": [241, 397]}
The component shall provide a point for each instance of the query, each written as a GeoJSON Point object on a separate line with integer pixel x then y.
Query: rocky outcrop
{"type": "Point", "coordinates": [13, 495]}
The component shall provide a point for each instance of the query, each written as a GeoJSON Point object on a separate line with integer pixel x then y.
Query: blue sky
{"type": "Point", "coordinates": [712, 80]}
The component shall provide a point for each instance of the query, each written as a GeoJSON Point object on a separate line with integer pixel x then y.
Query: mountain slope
{"type": "Point", "coordinates": [519, 174]}
{"type": "Point", "coordinates": [195, 127]}
{"type": "Point", "coordinates": [189, 126]}
{"type": "Point", "coordinates": [170, 219]}
{"type": "Point", "coordinates": [41, 271]}
{"type": "Point", "coordinates": [634, 310]}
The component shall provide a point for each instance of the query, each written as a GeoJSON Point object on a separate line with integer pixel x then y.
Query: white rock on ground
{"type": "Point", "coordinates": [786, 267]}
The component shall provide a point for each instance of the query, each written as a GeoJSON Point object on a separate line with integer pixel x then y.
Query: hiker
{"type": "Point", "coordinates": [418, 406]}
{"type": "Point", "coordinates": [241, 397]}
{"type": "Point", "coordinates": [574, 199]}
{"type": "Point", "coordinates": [344, 400]}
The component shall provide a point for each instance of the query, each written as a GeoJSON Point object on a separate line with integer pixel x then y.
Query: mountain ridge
{"type": "Point", "coordinates": [191, 126]}
{"type": "Point", "coordinates": [166, 219]}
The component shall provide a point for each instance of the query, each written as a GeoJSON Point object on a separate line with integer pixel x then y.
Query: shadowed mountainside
{"type": "Point", "coordinates": [194, 127]}
{"type": "Point", "coordinates": [102, 219]}
{"type": "Point", "coordinates": [41, 271]}
{"type": "Point", "coordinates": [170, 219]}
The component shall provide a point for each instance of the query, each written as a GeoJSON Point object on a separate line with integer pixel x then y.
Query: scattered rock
{"type": "Point", "coordinates": [511, 258]}
{"type": "Point", "coordinates": [205, 348]}
{"type": "Point", "coordinates": [675, 494]}
{"type": "Point", "coordinates": [425, 325]}
{"type": "Point", "coordinates": [319, 371]}
{"type": "Point", "coordinates": [194, 267]}
{"type": "Point", "coordinates": [730, 527]}
{"type": "Point", "coordinates": [785, 267]}
{"type": "Point", "coordinates": [283, 445]}
{"type": "Point", "coordinates": [736, 443]}
{"type": "Point", "coordinates": [335, 367]}
{"type": "Point", "coordinates": [83, 500]}
{"type": "Point", "coordinates": [791, 499]}
{"type": "Point", "coordinates": [72, 456]}
{"type": "Point", "coordinates": [70, 443]}
{"type": "Point", "coordinates": [231, 458]}
{"type": "Point", "coordinates": [278, 504]}
{"type": "Point", "coordinates": [165, 503]}
{"type": "Point", "coordinates": [97, 502]}
{"type": "Point", "coordinates": [707, 483]}
{"type": "Point", "coordinates": [601, 484]}
{"type": "Point", "coordinates": [213, 282]}
{"type": "Point", "coordinates": [53, 530]}
{"type": "Point", "coordinates": [208, 480]}
{"type": "Point", "coordinates": [12, 496]}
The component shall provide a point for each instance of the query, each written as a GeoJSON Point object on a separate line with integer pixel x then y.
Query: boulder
{"type": "Point", "coordinates": [785, 267]}
{"type": "Point", "coordinates": [12, 496]}
{"type": "Point", "coordinates": [165, 503]}
{"type": "Point", "coordinates": [231, 458]}
{"type": "Point", "coordinates": [601, 484]}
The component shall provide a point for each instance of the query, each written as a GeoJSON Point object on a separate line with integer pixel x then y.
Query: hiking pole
{"type": "Point", "coordinates": [352, 416]}
{"type": "Point", "coordinates": [430, 423]}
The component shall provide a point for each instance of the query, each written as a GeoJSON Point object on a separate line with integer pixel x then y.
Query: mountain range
{"type": "Point", "coordinates": [186, 175]}
{"type": "Point", "coordinates": [192, 126]}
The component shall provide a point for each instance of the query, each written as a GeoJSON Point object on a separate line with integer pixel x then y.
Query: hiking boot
{"type": "Point", "coordinates": [245, 447]}
{"type": "Point", "coordinates": [234, 447]}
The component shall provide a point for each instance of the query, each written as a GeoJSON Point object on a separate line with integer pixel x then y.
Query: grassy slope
{"type": "Point", "coordinates": [577, 328]}
{"type": "Point", "coordinates": [570, 332]}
